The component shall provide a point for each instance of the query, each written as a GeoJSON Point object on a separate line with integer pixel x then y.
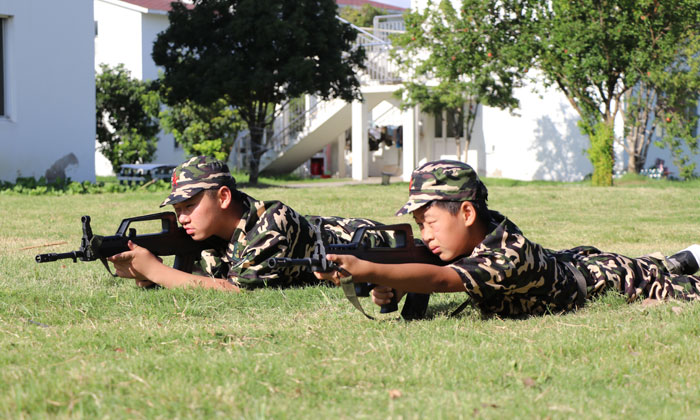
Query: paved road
{"type": "Point", "coordinates": [371, 180]}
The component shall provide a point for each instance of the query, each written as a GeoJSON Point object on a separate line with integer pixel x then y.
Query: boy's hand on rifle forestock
{"type": "Point", "coordinates": [349, 264]}
{"type": "Point", "coordinates": [135, 264]}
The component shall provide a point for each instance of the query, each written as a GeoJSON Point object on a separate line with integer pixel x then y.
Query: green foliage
{"type": "Point", "coordinates": [663, 107]}
{"type": "Point", "coordinates": [32, 186]}
{"type": "Point", "coordinates": [458, 60]}
{"type": "Point", "coordinates": [203, 130]}
{"type": "Point", "coordinates": [258, 54]}
{"type": "Point", "coordinates": [126, 113]}
{"type": "Point", "coordinates": [595, 52]}
{"type": "Point", "coordinates": [601, 154]}
{"type": "Point", "coordinates": [109, 184]}
{"type": "Point", "coordinates": [362, 17]}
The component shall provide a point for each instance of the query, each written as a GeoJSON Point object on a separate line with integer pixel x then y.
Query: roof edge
{"type": "Point", "coordinates": [135, 7]}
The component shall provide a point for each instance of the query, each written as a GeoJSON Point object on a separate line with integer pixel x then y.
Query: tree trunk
{"type": "Point", "coordinates": [639, 132]}
{"type": "Point", "coordinates": [635, 163]}
{"type": "Point", "coordinates": [469, 122]}
{"type": "Point", "coordinates": [256, 150]}
{"type": "Point", "coordinates": [467, 142]}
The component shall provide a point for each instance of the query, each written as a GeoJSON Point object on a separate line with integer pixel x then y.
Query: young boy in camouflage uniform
{"type": "Point", "coordinates": [500, 269]}
{"type": "Point", "coordinates": [207, 203]}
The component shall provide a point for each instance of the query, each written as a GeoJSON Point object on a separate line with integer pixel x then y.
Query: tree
{"type": "Point", "coordinates": [258, 54]}
{"type": "Point", "coordinates": [126, 112]}
{"type": "Point", "coordinates": [362, 17]}
{"type": "Point", "coordinates": [459, 60]}
{"type": "Point", "coordinates": [665, 100]}
{"type": "Point", "coordinates": [203, 130]}
{"type": "Point", "coordinates": [596, 51]}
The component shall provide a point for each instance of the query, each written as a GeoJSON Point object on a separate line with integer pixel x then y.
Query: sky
{"type": "Point", "coordinates": [400, 3]}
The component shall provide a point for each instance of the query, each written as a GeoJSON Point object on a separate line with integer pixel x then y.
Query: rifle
{"type": "Point", "coordinates": [405, 250]}
{"type": "Point", "coordinates": [171, 240]}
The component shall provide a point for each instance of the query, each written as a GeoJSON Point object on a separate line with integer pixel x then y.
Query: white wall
{"type": "Point", "coordinates": [118, 37]}
{"type": "Point", "coordinates": [50, 89]}
{"type": "Point", "coordinates": [125, 35]}
{"type": "Point", "coordinates": [543, 143]}
{"type": "Point", "coordinates": [151, 26]}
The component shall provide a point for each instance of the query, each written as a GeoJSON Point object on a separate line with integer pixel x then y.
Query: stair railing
{"type": "Point", "coordinates": [379, 69]}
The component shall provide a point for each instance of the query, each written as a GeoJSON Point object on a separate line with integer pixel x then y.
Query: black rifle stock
{"type": "Point", "coordinates": [171, 240]}
{"type": "Point", "coordinates": [405, 250]}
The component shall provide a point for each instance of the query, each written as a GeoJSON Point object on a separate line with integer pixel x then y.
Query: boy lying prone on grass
{"type": "Point", "coordinates": [208, 203]}
{"type": "Point", "coordinates": [501, 270]}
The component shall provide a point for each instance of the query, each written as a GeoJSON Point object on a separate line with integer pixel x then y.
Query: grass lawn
{"type": "Point", "coordinates": [77, 343]}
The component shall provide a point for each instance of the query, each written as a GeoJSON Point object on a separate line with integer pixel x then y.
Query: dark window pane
{"type": "Point", "coordinates": [2, 69]}
{"type": "Point", "coordinates": [438, 125]}
{"type": "Point", "coordinates": [451, 115]}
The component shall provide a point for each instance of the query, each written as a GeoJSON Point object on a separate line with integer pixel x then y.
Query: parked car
{"type": "Point", "coordinates": [145, 172]}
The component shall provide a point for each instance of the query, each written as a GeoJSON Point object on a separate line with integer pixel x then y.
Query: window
{"type": "Point", "coordinates": [451, 115]}
{"type": "Point", "coordinates": [438, 125]}
{"type": "Point", "coordinates": [2, 67]}
{"type": "Point", "coordinates": [450, 126]}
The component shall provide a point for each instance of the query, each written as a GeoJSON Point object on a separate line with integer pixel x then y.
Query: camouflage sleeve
{"type": "Point", "coordinates": [485, 274]}
{"type": "Point", "coordinates": [504, 264]}
{"type": "Point", "coordinates": [509, 275]}
{"type": "Point", "coordinates": [210, 264]}
{"type": "Point", "coordinates": [280, 233]}
{"type": "Point", "coordinates": [251, 270]}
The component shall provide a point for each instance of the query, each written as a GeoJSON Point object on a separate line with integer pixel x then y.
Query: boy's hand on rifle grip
{"type": "Point", "coordinates": [135, 263]}
{"type": "Point", "coordinates": [381, 295]}
{"type": "Point", "coordinates": [146, 284]}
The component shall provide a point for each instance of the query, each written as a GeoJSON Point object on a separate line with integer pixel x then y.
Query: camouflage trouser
{"type": "Point", "coordinates": [645, 277]}
{"type": "Point", "coordinates": [340, 230]}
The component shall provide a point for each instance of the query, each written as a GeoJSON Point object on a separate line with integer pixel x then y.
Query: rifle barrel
{"type": "Point", "coordinates": [74, 255]}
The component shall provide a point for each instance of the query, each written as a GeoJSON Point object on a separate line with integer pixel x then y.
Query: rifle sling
{"type": "Point", "coordinates": [349, 288]}
{"type": "Point", "coordinates": [461, 307]}
{"type": "Point", "coordinates": [104, 262]}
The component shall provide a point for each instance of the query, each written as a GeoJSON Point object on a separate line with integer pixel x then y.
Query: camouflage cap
{"type": "Point", "coordinates": [198, 174]}
{"type": "Point", "coordinates": [445, 180]}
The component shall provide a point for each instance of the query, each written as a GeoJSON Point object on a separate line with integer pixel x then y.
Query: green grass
{"type": "Point", "coordinates": [76, 343]}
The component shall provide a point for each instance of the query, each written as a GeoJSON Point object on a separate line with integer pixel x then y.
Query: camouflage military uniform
{"type": "Point", "coordinates": [267, 229]}
{"type": "Point", "coordinates": [509, 275]}
{"type": "Point", "coordinates": [270, 229]}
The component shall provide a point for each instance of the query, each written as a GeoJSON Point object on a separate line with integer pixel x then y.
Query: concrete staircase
{"type": "Point", "coordinates": [322, 123]}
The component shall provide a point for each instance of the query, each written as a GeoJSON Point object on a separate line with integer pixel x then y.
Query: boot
{"type": "Point", "coordinates": [685, 262]}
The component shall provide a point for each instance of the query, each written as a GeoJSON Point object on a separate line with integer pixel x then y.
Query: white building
{"type": "Point", "coordinates": [125, 32]}
{"type": "Point", "coordinates": [543, 142]}
{"type": "Point", "coordinates": [47, 89]}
